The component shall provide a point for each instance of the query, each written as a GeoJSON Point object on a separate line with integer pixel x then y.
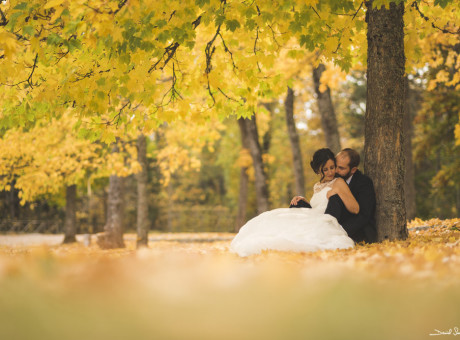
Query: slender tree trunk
{"type": "Point", "coordinates": [70, 225]}
{"type": "Point", "coordinates": [295, 145]}
{"type": "Point", "coordinates": [244, 182]}
{"type": "Point", "coordinates": [256, 154]}
{"type": "Point", "coordinates": [242, 199]}
{"type": "Point", "coordinates": [327, 112]}
{"type": "Point", "coordinates": [409, 183]}
{"type": "Point", "coordinates": [383, 147]}
{"type": "Point", "coordinates": [92, 211]}
{"type": "Point", "coordinates": [267, 137]}
{"type": "Point", "coordinates": [112, 237]}
{"type": "Point", "coordinates": [12, 201]}
{"type": "Point", "coordinates": [142, 200]}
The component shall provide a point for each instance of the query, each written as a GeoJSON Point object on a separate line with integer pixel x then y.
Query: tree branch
{"type": "Point", "coordinates": [273, 35]}
{"type": "Point", "coordinates": [349, 14]}
{"type": "Point", "coordinates": [4, 21]}
{"type": "Point", "coordinates": [228, 97]}
{"type": "Point", "coordinates": [255, 47]}
{"type": "Point", "coordinates": [29, 80]}
{"type": "Point", "coordinates": [314, 10]}
{"type": "Point", "coordinates": [424, 17]}
{"type": "Point", "coordinates": [210, 49]}
{"type": "Point", "coordinates": [118, 115]}
{"type": "Point", "coordinates": [226, 49]}
{"type": "Point", "coordinates": [356, 13]}
{"type": "Point", "coordinates": [120, 6]}
{"type": "Point", "coordinates": [171, 49]}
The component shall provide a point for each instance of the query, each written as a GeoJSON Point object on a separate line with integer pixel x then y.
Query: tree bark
{"type": "Point", "coordinates": [112, 237]}
{"type": "Point", "coordinates": [384, 138]}
{"type": "Point", "coordinates": [13, 201]}
{"type": "Point", "coordinates": [244, 182]}
{"type": "Point", "coordinates": [295, 145]}
{"type": "Point", "coordinates": [409, 182]}
{"type": "Point", "coordinates": [70, 225]}
{"type": "Point", "coordinates": [242, 199]}
{"type": "Point", "coordinates": [267, 137]}
{"type": "Point", "coordinates": [327, 112]}
{"type": "Point", "coordinates": [142, 199]}
{"type": "Point", "coordinates": [256, 154]}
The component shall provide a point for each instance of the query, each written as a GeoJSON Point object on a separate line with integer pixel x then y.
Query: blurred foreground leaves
{"type": "Point", "coordinates": [188, 286]}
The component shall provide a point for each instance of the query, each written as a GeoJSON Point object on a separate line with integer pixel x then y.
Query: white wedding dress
{"type": "Point", "coordinates": [293, 229]}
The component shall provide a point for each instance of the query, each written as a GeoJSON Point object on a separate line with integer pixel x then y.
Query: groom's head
{"type": "Point", "coordinates": [347, 163]}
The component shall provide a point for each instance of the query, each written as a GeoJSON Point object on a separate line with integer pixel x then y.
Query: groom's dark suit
{"type": "Point", "coordinates": [361, 226]}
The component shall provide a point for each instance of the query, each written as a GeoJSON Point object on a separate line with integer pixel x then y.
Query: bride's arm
{"type": "Point", "coordinates": [341, 188]}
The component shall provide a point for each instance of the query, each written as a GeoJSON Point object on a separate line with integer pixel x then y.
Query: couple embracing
{"type": "Point", "coordinates": [340, 212]}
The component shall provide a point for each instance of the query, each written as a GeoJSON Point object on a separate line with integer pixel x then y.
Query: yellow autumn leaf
{"type": "Point", "coordinates": [8, 42]}
{"type": "Point", "coordinates": [53, 4]}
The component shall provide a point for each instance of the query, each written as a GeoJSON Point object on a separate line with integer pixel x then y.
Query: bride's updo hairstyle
{"type": "Point", "coordinates": [320, 158]}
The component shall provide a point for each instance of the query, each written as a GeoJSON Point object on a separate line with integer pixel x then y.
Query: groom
{"type": "Point", "coordinates": [360, 227]}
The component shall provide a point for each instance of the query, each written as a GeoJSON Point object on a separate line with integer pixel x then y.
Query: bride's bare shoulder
{"type": "Point", "coordinates": [339, 182]}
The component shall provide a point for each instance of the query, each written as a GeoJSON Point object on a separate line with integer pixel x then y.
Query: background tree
{"type": "Point", "coordinates": [142, 194]}
{"type": "Point", "coordinates": [250, 131]}
{"type": "Point", "coordinates": [327, 111]}
{"type": "Point", "coordinates": [295, 146]}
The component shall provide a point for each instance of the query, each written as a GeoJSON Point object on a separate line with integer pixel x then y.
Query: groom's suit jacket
{"type": "Point", "coordinates": [361, 226]}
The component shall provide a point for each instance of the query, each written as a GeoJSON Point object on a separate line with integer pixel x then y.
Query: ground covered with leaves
{"type": "Point", "coordinates": [189, 286]}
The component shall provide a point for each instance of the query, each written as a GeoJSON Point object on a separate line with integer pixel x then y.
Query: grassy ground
{"type": "Point", "coordinates": [184, 287]}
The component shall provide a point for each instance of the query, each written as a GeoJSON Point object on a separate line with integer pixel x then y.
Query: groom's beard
{"type": "Point", "coordinates": [345, 177]}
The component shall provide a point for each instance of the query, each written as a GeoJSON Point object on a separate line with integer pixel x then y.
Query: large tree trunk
{"type": "Point", "coordinates": [244, 182]}
{"type": "Point", "coordinates": [112, 237]}
{"type": "Point", "coordinates": [384, 139]}
{"type": "Point", "coordinates": [256, 154]}
{"type": "Point", "coordinates": [295, 145]}
{"type": "Point", "coordinates": [142, 200]}
{"type": "Point", "coordinates": [70, 225]}
{"type": "Point", "coordinates": [409, 183]}
{"type": "Point", "coordinates": [327, 112]}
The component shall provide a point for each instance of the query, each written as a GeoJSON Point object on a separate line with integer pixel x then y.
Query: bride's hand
{"type": "Point", "coordinates": [296, 200]}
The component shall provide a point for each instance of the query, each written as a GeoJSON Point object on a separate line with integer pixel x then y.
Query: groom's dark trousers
{"type": "Point", "coordinates": [360, 227]}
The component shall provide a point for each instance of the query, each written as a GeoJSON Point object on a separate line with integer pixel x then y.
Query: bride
{"type": "Point", "coordinates": [302, 229]}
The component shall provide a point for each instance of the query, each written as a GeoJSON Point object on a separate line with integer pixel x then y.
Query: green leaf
{"type": "Point", "coordinates": [29, 30]}
{"type": "Point", "coordinates": [74, 44]}
{"type": "Point", "coordinates": [442, 3]}
{"type": "Point", "coordinates": [100, 82]}
{"type": "Point", "coordinates": [190, 44]}
{"type": "Point", "coordinates": [250, 24]}
{"type": "Point", "coordinates": [201, 3]}
{"type": "Point", "coordinates": [232, 25]}
{"type": "Point", "coordinates": [100, 94]}
{"type": "Point", "coordinates": [53, 39]}
{"type": "Point", "coordinates": [305, 40]}
{"type": "Point", "coordinates": [267, 16]}
{"type": "Point", "coordinates": [160, 23]}
{"type": "Point", "coordinates": [220, 20]}
{"type": "Point", "coordinates": [250, 12]}
{"type": "Point", "coordinates": [21, 6]}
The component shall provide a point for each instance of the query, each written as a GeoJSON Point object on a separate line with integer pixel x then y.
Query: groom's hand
{"type": "Point", "coordinates": [296, 200]}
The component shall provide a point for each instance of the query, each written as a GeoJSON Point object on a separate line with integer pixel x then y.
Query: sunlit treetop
{"type": "Point", "coordinates": [46, 158]}
{"type": "Point", "coordinates": [149, 62]}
